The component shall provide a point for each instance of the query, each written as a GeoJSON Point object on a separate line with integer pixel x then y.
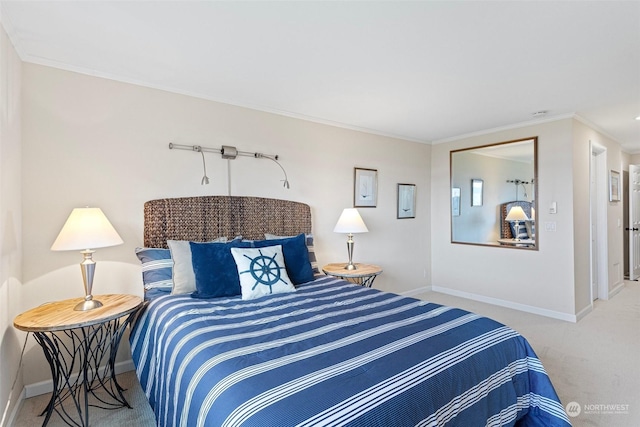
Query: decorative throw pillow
{"type": "Point", "coordinates": [215, 270]}
{"type": "Point", "coordinates": [310, 249]}
{"type": "Point", "coordinates": [531, 229]}
{"type": "Point", "coordinates": [157, 268]}
{"type": "Point", "coordinates": [522, 232]}
{"type": "Point", "coordinates": [296, 257]}
{"type": "Point", "coordinates": [184, 280]}
{"type": "Point", "coordinates": [262, 271]}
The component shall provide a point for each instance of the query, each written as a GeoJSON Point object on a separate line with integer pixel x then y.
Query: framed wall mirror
{"type": "Point", "coordinates": [501, 182]}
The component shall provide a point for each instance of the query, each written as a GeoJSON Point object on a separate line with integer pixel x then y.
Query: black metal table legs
{"type": "Point", "coordinates": [82, 362]}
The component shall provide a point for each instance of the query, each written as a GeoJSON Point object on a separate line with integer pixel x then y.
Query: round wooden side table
{"type": "Point", "coordinates": [81, 348]}
{"type": "Point", "coordinates": [364, 274]}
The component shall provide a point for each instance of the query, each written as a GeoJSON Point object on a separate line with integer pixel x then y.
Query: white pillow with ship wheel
{"type": "Point", "coordinates": [262, 271]}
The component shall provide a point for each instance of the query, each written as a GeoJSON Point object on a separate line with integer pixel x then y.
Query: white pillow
{"type": "Point", "coordinates": [184, 279]}
{"type": "Point", "coordinates": [262, 271]}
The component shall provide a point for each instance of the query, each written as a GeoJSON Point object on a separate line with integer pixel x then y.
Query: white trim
{"type": "Point", "coordinates": [507, 127]}
{"type": "Point", "coordinates": [616, 289]}
{"type": "Point", "coordinates": [16, 408]}
{"type": "Point", "coordinates": [602, 201]}
{"type": "Point", "coordinates": [417, 291]}
{"type": "Point", "coordinates": [582, 313]}
{"type": "Point", "coordinates": [44, 387]}
{"type": "Point", "coordinates": [597, 128]}
{"type": "Point", "coordinates": [9, 28]}
{"type": "Point", "coordinates": [508, 304]}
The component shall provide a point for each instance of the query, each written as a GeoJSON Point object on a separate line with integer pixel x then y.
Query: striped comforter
{"type": "Point", "coordinates": [334, 353]}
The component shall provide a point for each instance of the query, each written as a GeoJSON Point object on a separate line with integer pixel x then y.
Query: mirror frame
{"type": "Point", "coordinates": [534, 139]}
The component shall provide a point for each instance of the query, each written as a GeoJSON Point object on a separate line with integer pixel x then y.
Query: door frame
{"type": "Point", "coordinates": [598, 167]}
{"type": "Point", "coordinates": [632, 235]}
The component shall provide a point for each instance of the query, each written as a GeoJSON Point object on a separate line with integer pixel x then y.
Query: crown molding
{"type": "Point", "coordinates": [507, 127]}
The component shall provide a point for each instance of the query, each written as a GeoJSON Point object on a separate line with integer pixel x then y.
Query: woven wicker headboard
{"type": "Point", "coordinates": [205, 218]}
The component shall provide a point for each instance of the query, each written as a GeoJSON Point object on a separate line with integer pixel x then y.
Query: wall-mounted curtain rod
{"type": "Point", "coordinates": [227, 152]}
{"type": "Point", "coordinates": [517, 182]}
{"type": "Point", "coordinates": [230, 153]}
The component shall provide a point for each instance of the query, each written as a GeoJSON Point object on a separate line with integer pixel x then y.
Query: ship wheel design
{"type": "Point", "coordinates": [265, 271]}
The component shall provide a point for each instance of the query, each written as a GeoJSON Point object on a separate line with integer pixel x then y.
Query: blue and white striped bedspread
{"type": "Point", "coordinates": [334, 353]}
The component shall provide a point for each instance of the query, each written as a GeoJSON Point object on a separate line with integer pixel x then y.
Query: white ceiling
{"type": "Point", "coordinates": [425, 71]}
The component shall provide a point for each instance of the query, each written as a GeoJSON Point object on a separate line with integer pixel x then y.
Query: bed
{"type": "Point", "coordinates": [326, 352]}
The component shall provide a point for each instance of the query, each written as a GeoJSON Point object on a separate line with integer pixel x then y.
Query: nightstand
{"type": "Point", "coordinates": [521, 242]}
{"type": "Point", "coordinates": [364, 274]}
{"type": "Point", "coordinates": [81, 348]}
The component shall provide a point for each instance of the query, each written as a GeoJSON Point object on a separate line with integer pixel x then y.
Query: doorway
{"type": "Point", "coordinates": [631, 213]}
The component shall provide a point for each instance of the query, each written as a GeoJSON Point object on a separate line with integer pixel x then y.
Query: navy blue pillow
{"type": "Point", "coordinates": [296, 257]}
{"type": "Point", "coordinates": [215, 269]}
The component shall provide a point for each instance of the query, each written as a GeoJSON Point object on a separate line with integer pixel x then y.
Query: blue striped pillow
{"type": "Point", "coordinates": [523, 230]}
{"type": "Point", "coordinates": [157, 268]}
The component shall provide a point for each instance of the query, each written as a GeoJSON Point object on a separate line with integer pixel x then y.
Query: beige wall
{"type": "Point", "coordinates": [10, 227]}
{"type": "Point", "coordinates": [92, 141]}
{"type": "Point", "coordinates": [555, 280]}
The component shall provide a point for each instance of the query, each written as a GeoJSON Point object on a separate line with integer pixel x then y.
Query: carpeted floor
{"type": "Point", "coordinates": [593, 363]}
{"type": "Point", "coordinates": [140, 416]}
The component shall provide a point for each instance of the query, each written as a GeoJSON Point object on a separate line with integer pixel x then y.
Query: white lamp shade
{"type": "Point", "coordinates": [86, 228]}
{"type": "Point", "coordinates": [533, 214]}
{"type": "Point", "coordinates": [516, 213]}
{"type": "Point", "coordinates": [350, 222]}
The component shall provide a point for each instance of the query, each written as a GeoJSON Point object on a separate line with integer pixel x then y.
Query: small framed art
{"type": "Point", "coordinates": [476, 192]}
{"type": "Point", "coordinates": [365, 188]}
{"type": "Point", "coordinates": [455, 201]}
{"type": "Point", "coordinates": [406, 201]}
{"type": "Point", "coordinates": [614, 186]}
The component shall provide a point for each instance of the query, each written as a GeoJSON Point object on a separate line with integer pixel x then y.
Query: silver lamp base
{"type": "Point", "coordinates": [516, 238]}
{"type": "Point", "coordinates": [88, 267]}
{"type": "Point", "coordinates": [88, 305]}
{"type": "Point", "coordinates": [350, 265]}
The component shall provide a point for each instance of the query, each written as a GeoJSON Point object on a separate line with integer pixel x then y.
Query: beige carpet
{"type": "Point", "coordinates": [140, 416]}
{"type": "Point", "coordinates": [594, 363]}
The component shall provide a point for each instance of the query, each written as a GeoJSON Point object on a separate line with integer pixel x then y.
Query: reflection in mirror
{"type": "Point", "coordinates": [493, 194]}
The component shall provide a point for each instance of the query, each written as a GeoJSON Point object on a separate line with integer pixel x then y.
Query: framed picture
{"type": "Point", "coordinates": [476, 192]}
{"type": "Point", "coordinates": [614, 186]}
{"type": "Point", "coordinates": [455, 201]}
{"type": "Point", "coordinates": [406, 201]}
{"type": "Point", "coordinates": [365, 188]}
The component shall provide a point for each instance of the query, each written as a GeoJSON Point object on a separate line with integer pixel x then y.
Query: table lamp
{"type": "Point", "coordinates": [350, 222]}
{"type": "Point", "coordinates": [516, 214]}
{"type": "Point", "coordinates": [86, 228]}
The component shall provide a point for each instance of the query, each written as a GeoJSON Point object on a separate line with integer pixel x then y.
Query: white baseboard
{"type": "Point", "coordinates": [508, 304]}
{"type": "Point", "coordinates": [616, 289]}
{"type": "Point", "coordinates": [16, 409]}
{"type": "Point", "coordinates": [44, 387]}
{"type": "Point", "coordinates": [584, 312]}
{"type": "Point", "coordinates": [416, 291]}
